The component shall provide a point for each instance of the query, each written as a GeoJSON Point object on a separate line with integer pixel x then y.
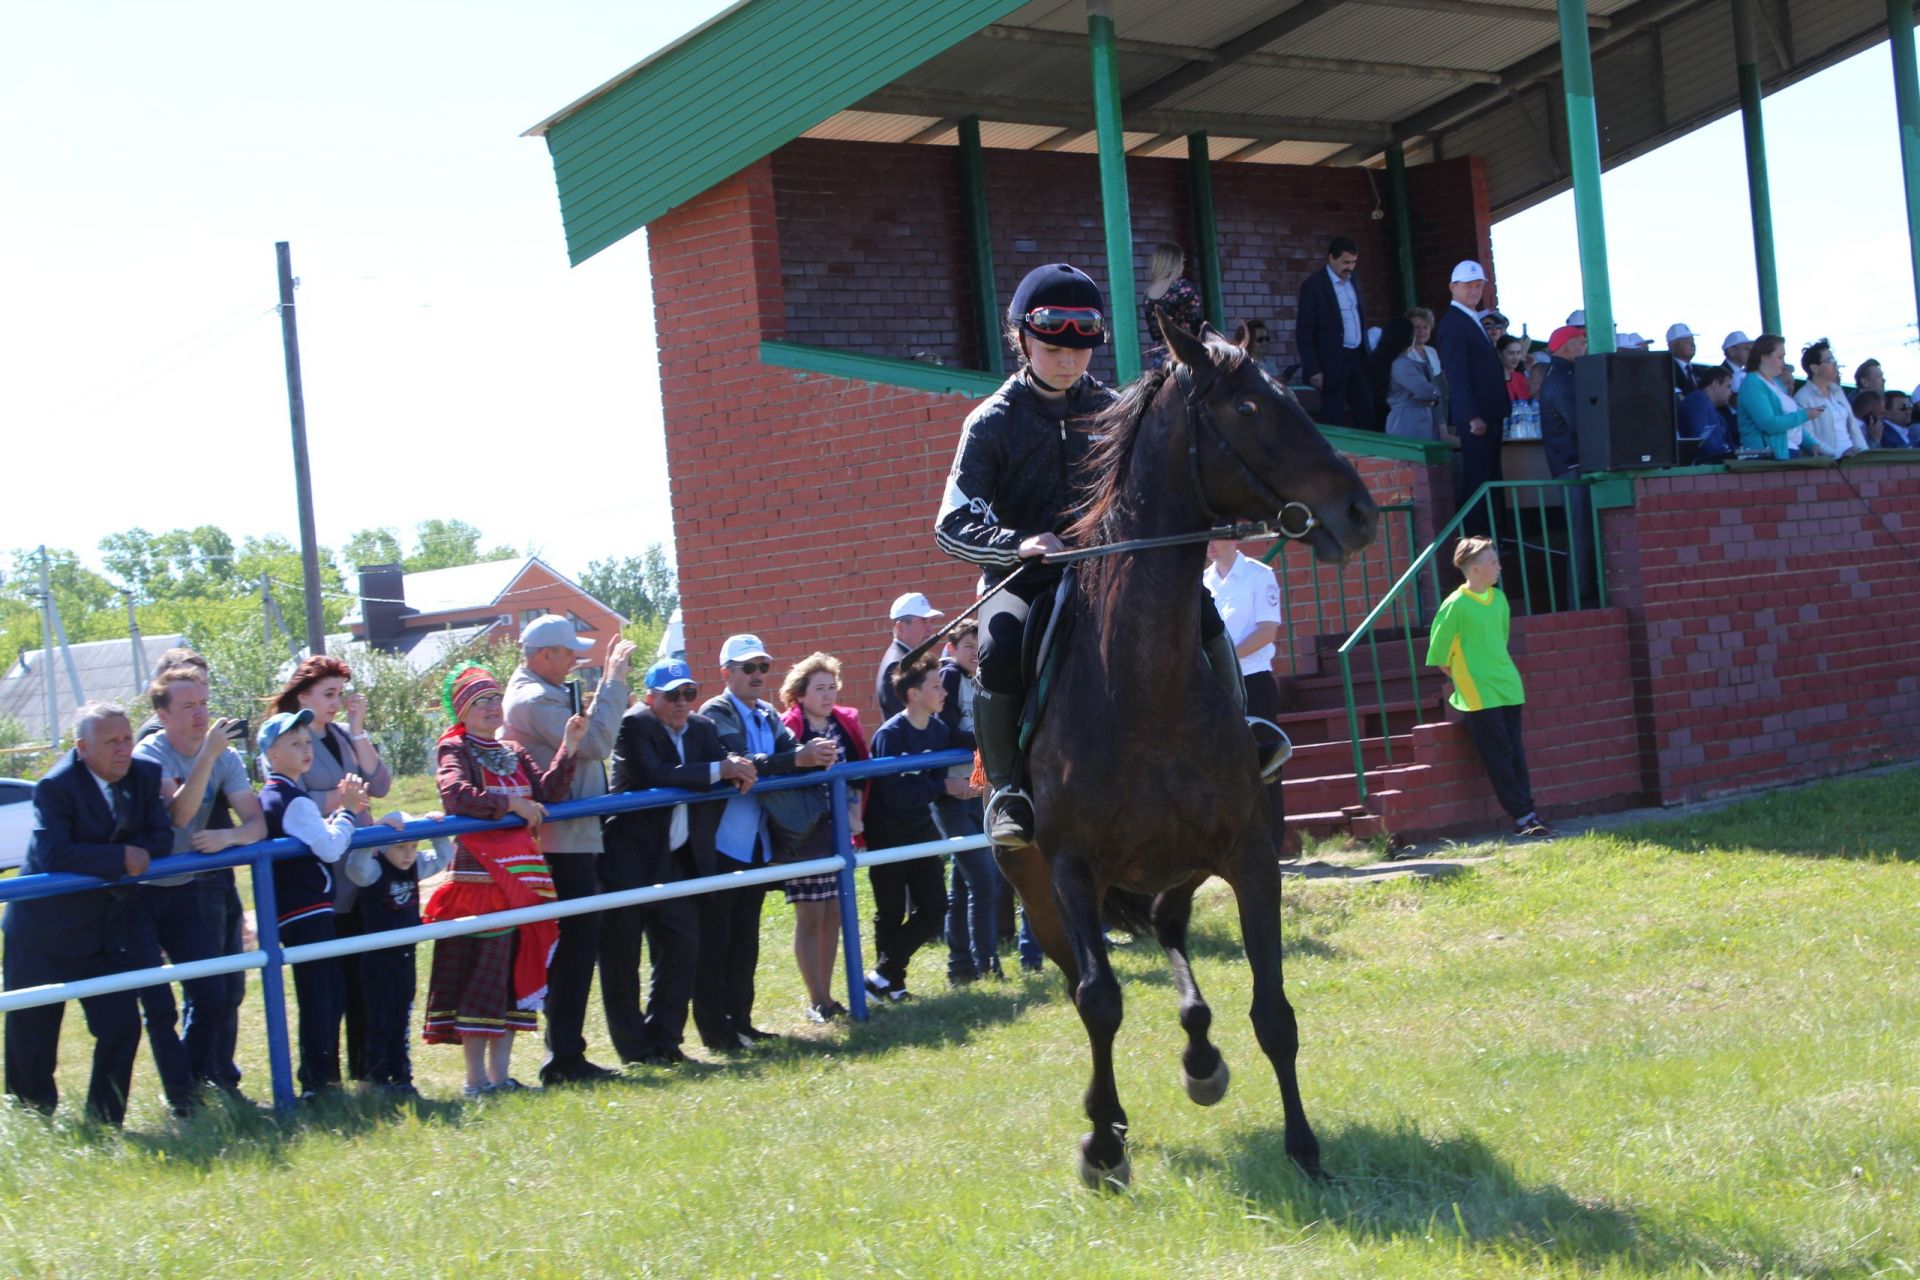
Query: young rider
{"type": "Point", "coordinates": [1010, 493]}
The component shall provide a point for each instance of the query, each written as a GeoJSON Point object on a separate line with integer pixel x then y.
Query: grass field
{"type": "Point", "coordinates": [1686, 1047]}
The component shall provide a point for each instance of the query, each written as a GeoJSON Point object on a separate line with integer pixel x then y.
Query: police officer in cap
{"type": "Point", "coordinates": [1010, 493]}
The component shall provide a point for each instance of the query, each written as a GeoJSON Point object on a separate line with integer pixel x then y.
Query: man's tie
{"type": "Point", "coordinates": [122, 809]}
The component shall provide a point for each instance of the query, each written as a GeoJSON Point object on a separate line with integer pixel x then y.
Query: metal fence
{"type": "Point", "coordinates": [271, 958]}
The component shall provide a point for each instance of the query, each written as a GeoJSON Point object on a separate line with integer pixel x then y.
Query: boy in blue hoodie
{"type": "Point", "coordinates": [899, 811]}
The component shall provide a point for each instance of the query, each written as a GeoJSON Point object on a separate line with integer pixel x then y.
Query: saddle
{"type": "Point", "coordinates": [1049, 620]}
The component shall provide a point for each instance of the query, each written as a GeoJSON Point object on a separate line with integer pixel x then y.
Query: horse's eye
{"type": "Point", "coordinates": [1247, 408]}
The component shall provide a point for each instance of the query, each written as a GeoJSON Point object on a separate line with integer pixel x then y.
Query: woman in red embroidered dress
{"type": "Point", "coordinates": [486, 986]}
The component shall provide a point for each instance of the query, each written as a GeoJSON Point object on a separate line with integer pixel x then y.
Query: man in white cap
{"type": "Point", "coordinates": [539, 700]}
{"type": "Point", "coordinates": [1736, 347]}
{"type": "Point", "coordinates": [1476, 385]}
{"type": "Point", "coordinates": [913, 621]}
{"type": "Point", "coordinates": [752, 730]}
{"type": "Point", "coordinates": [1680, 346]}
{"type": "Point", "coordinates": [1577, 317]}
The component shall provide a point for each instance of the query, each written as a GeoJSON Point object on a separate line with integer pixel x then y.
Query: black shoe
{"type": "Point", "coordinates": [961, 977]}
{"type": "Point", "coordinates": [1010, 819]}
{"type": "Point", "coordinates": [834, 1009]}
{"type": "Point", "coordinates": [184, 1109]}
{"type": "Point", "coordinates": [397, 1090]}
{"type": "Point", "coordinates": [756, 1034]}
{"type": "Point", "coordinates": [579, 1071]}
{"type": "Point", "coordinates": [1033, 966]}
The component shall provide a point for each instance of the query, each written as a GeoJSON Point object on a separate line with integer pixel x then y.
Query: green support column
{"type": "Point", "coordinates": [1583, 148]}
{"type": "Point", "coordinates": [986, 300]}
{"type": "Point", "coordinates": [1402, 215]}
{"type": "Point", "coordinates": [1122, 305]}
{"type": "Point", "coordinates": [1206, 236]}
{"type": "Point", "coordinates": [1906, 95]}
{"type": "Point", "coordinates": [1759, 199]}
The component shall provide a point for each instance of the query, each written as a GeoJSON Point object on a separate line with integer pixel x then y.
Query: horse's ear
{"type": "Point", "coordinates": [1189, 350]}
{"type": "Point", "coordinates": [1242, 335]}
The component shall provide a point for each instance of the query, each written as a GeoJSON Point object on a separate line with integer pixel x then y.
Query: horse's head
{"type": "Point", "coordinates": [1256, 455]}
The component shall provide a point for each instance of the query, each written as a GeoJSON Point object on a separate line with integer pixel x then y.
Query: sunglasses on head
{"type": "Point", "coordinates": [755, 668]}
{"type": "Point", "coordinates": [1050, 322]}
{"type": "Point", "coordinates": [685, 693]}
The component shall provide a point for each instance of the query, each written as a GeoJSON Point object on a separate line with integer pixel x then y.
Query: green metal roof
{"type": "Point", "coordinates": [730, 92]}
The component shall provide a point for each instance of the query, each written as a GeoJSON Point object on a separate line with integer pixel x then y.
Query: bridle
{"type": "Point", "coordinates": [1195, 391]}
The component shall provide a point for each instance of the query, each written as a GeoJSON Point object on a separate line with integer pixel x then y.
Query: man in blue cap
{"type": "Point", "coordinates": [1010, 493]}
{"type": "Point", "coordinates": [661, 743]}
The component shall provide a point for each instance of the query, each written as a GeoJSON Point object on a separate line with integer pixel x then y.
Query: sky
{"type": "Point", "coordinates": [156, 150]}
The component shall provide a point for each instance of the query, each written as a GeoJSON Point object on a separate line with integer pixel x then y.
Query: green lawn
{"type": "Point", "coordinates": [1684, 1048]}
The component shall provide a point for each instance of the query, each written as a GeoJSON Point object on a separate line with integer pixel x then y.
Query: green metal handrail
{"type": "Point", "coordinates": [1403, 595]}
{"type": "Point", "coordinates": [1402, 511]}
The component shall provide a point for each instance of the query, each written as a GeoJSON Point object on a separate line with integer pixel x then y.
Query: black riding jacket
{"type": "Point", "coordinates": [1014, 474]}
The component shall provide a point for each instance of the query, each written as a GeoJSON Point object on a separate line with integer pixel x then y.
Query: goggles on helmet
{"type": "Point", "coordinates": [1050, 322]}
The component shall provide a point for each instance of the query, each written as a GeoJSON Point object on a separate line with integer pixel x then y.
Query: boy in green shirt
{"type": "Point", "coordinates": [1469, 643]}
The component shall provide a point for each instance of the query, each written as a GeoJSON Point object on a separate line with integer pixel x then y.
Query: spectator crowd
{"type": "Point", "coordinates": [127, 798]}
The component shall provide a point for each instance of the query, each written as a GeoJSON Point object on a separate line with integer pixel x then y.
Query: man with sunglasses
{"type": "Point", "coordinates": [1009, 494]}
{"type": "Point", "coordinates": [749, 729]}
{"type": "Point", "coordinates": [661, 743]}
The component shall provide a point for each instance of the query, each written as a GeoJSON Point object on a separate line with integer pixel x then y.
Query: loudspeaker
{"type": "Point", "coordinates": [1624, 410]}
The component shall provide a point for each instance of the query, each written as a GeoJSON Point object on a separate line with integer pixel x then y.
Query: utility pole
{"type": "Point", "coordinates": [139, 653]}
{"type": "Point", "coordinates": [302, 476]}
{"type": "Point", "coordinates": [46, 649]}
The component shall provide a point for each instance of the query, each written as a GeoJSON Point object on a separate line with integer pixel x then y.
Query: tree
{"type": "Point", "coordinates": [448, 544]}
{"type": "Point", "coordinates": [644, 588]}
{"type": "Point", "coordinates": [373, 546]}
{"type": "Point", "coordinates": [90, 606]}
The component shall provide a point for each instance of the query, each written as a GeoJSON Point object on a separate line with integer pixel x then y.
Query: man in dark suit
{"type": "Point", "coordinates": [96, 813]}
{"type": "Point", "coordinates": [1331, 329]}
{"type": "Point", "coordinates": [660, 744]}
{"type": "Point", "coordinates": [1681, 346]}
{"type": "Point", "coordinates": [1476, 386]}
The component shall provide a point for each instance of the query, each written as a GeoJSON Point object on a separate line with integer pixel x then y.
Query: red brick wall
{"type": "Point", "coordinates": [1776, 632]}
{"type": "Point", "coordinates": [1581, 734]}
{"type": "Point", "coordinates": [808, 536]}
{"type": "Point", "coordinates": [874, 250]}
{"type": "Point", "coordinates": [1451, 222]}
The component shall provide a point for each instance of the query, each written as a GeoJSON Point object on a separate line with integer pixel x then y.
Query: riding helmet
{"type": "Point", "coordinates": [1058, 285]}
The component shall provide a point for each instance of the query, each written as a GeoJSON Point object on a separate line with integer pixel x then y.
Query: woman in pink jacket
{"type": "Point", "coordinates": [808, 693]}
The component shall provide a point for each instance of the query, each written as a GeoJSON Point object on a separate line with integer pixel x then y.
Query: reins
{"type": "Point", "coordinates": [1197, 415]}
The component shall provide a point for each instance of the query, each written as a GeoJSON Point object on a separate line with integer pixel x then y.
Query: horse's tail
{"type": "Point", "coordinates": [1131, 911]}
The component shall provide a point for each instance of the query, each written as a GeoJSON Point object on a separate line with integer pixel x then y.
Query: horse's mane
{"type": "Point", "coordinates": [1103, 477]}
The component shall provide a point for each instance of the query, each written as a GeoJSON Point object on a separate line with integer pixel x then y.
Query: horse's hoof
{"type": "Point", "coordinates": [1209, 1090]}
{"type": "Point", "coordinates": [1099, 1179]}
{"type": "Point", "coordinates": [1310, 1168]}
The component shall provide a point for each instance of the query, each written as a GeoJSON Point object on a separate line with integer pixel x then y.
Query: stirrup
{"type": "Point", "coordinates": [1282, 750]}
{"type": "Point", "coordinates": [1019, 834]}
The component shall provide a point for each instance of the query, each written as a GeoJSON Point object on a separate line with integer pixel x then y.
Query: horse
{"type": "Point", "coordinates": [1145, 778]}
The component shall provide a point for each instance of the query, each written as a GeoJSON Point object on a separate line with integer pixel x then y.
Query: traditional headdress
{"type": "Point", "coordinates": [463, 685]}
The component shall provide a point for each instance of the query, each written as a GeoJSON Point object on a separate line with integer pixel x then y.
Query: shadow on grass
{"type": "Point", "coordinates": [1855, 818]}
{"type": "Point", "coordinates": [1389, 1184]}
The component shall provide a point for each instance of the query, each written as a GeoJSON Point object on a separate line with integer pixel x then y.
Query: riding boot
{"type": "Point", "coordinates": [996, 729]}
{"type": "Point", "coordinates": [1226, 669]}
{"type": "Point", "coordinates": [1270, 742]}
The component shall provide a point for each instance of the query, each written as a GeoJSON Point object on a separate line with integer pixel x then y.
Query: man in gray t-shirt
{"type": "Point", "coordinates": [189, 916]}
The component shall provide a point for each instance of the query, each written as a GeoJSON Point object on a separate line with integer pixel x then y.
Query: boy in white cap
{"type": "Point", "coordinates": [1680, 345]}
{"type": "Point", "coordinates": [913, 621]}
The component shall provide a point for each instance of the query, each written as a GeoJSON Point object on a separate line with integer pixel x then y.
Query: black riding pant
{"type": "Point", "coordinates": [1003, 622]}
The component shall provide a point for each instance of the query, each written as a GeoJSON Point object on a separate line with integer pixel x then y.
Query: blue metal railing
{"type": "Point", "coordinates": [271, 958]}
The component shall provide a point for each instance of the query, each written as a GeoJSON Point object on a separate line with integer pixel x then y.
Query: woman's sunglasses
{"type": "Point", "coordinates": [1050, 322]}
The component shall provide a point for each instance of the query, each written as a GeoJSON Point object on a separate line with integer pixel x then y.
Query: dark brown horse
{"type": "Point", "coordinates": [1144, 776]}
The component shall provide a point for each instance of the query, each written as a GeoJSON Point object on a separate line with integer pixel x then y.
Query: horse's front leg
{"type": "Point", "coordinates": [1026, 870]}
{"type": "Point", "coordinates": [1103, 1152]}
{"type": "Point", "coordinates": [1202, 1070]}
{"type": "Point", "coordinates": [1257, 887]}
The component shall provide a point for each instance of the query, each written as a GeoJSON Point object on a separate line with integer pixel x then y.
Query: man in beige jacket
{"type": "Point", "coordinates": [538, 703]}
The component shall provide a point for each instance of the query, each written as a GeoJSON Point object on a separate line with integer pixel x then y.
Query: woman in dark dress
{"type": "Point", "coordinates": [808, 694]}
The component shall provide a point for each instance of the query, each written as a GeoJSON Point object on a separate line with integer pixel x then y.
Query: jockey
{"type": "Point", "coordinates": [1009, 495]}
